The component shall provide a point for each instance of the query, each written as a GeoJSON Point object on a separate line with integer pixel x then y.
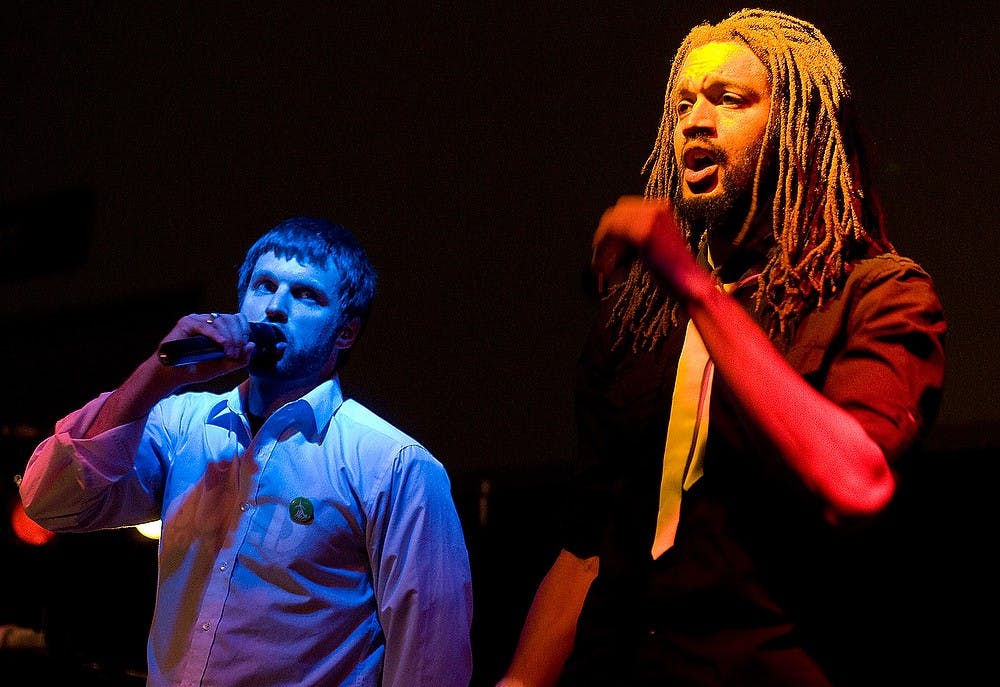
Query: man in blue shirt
{"type": "Point", "coordinates": [305, 540]}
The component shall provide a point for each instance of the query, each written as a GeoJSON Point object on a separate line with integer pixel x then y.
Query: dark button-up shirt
{"type": "Point", "coordinates": [732, 601]}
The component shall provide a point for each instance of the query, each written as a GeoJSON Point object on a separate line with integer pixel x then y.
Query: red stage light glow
{"type": "Point", "coordinates": [26, 529]}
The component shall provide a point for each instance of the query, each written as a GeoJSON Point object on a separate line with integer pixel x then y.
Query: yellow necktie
{"type": "Point", "coordinates": [686, 432]}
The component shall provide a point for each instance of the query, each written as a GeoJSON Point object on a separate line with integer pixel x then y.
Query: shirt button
{"type": "Point", "coordinates": [223, 567]}
{"type": "Point", "coordinates": [244, 506]}
{"type": "Point", "coordinates": [206, 626]}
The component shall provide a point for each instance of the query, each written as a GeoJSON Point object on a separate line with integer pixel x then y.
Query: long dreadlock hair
{"type": "Point", "coordinates": [824, 212]}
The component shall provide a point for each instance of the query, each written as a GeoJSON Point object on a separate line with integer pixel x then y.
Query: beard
{"type": "Point", "coordinates": [296, 362]}
{"type": "Point", "coordinates": [722, 214]}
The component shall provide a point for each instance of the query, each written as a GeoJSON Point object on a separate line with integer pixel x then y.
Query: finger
{"type": "Point", "coordinates": [197, 323]}
{"type": "Point", "coordinates": [235, 333]}
{"type": "Point", "coordinates": [229, 331]}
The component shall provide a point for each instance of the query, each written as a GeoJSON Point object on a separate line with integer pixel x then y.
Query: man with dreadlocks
{"type": "Point", "coordinates": [759, 243]}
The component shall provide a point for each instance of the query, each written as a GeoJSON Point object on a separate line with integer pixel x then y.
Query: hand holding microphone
{"type": "Point", "coordinates": [199, 347]}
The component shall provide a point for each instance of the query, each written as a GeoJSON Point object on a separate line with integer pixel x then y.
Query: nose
{"type": "Point", "coordinates": [700, 120]}
{"type": "Point", "coordinates": [277, 306]}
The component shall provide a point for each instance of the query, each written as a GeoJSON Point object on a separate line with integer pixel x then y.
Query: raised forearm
{"type": "Point", "coordinates": [133, 400]}
{"type": "Point", "coordinates": [823, 443]}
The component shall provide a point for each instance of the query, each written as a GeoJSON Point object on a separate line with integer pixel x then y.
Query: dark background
{"type": "Point", "coordinates": [472, 148]}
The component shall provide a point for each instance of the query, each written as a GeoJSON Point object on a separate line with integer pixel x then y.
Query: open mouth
{"type": "Point", "coordinates": [701, 171]}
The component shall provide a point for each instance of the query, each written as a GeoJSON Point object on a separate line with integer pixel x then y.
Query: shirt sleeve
{"type": "Point", "coordinates": [889, 373]}
{"type": "Point", "coordinates": [71, 484]}
{"type": "Point", "coordinates": [422, 578]}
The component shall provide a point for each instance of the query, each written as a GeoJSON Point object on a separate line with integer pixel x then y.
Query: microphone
{"type": "Point", "coordinates": [196, 349]}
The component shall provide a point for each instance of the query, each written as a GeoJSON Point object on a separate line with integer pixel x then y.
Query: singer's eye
{"type": "Point", "coordinates": [305, 293]}
{"type": "Point", "coordinates": [732, 100]}
{"type": "Point", "coordinates": [265, 286]}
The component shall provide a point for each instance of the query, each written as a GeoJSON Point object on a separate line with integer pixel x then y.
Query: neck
{"type": "Point", "coordinates": [264, 396]}
{"type": "Point", "coordinates": [731, 259]}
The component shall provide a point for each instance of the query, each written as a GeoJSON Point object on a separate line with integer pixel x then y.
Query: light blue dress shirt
{"type": "Point", "coordinates": [325, 550]}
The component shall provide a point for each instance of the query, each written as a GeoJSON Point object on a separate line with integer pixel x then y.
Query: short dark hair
{"type": "Point", "coordinates": [318, 242]}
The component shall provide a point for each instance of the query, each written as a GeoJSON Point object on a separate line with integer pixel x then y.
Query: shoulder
{"type": "Point", "coordinates": [365, 420]}
{"type": "Point", "coordinates": [885, 284]}
{"type": "Point", "coordinates": [887, 297]}
{"type": "Point", "coordinates": [387, 461]}
{"type": "Point", "coordinates": [371, 433]}
{"type": "Point", "coordinates": [880, 281]}
{"type": "Point", "coordinates": [883, 268]}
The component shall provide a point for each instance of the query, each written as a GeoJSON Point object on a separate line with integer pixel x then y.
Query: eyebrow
{"type": "Point", "coordinates": [716, 84]}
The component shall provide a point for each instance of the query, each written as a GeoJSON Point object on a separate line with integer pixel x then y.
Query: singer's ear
{"type": "Point", "coordinates": [348, 332]}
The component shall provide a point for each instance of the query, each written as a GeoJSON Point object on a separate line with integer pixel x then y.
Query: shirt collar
{"type": "Point", "coordinates": [750, 276]}
{"type": "Point", "coordinates": [324, 401]}
{"type": "Point", "coordinates": [321, 403]}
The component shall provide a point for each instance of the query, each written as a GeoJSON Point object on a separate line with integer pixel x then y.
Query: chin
{"type": "Point", "coordinates": [705, 206]}
{"type": "Point", "coordinates": [264, 367]}
{"type": "Point", "coordinates": [722, 205]}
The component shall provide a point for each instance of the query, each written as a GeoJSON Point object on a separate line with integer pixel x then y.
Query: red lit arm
{"type": "Point", "coordinates": [822, 443]}
{"type": "Point", "coordinates": [550, 627]}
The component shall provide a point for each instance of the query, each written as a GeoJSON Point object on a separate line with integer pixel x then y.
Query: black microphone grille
{"type": "Point", "coordinates": [266, 334]}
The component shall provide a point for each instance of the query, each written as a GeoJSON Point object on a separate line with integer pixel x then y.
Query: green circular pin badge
{"type": "Point", "coordinates": [301, 510]}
